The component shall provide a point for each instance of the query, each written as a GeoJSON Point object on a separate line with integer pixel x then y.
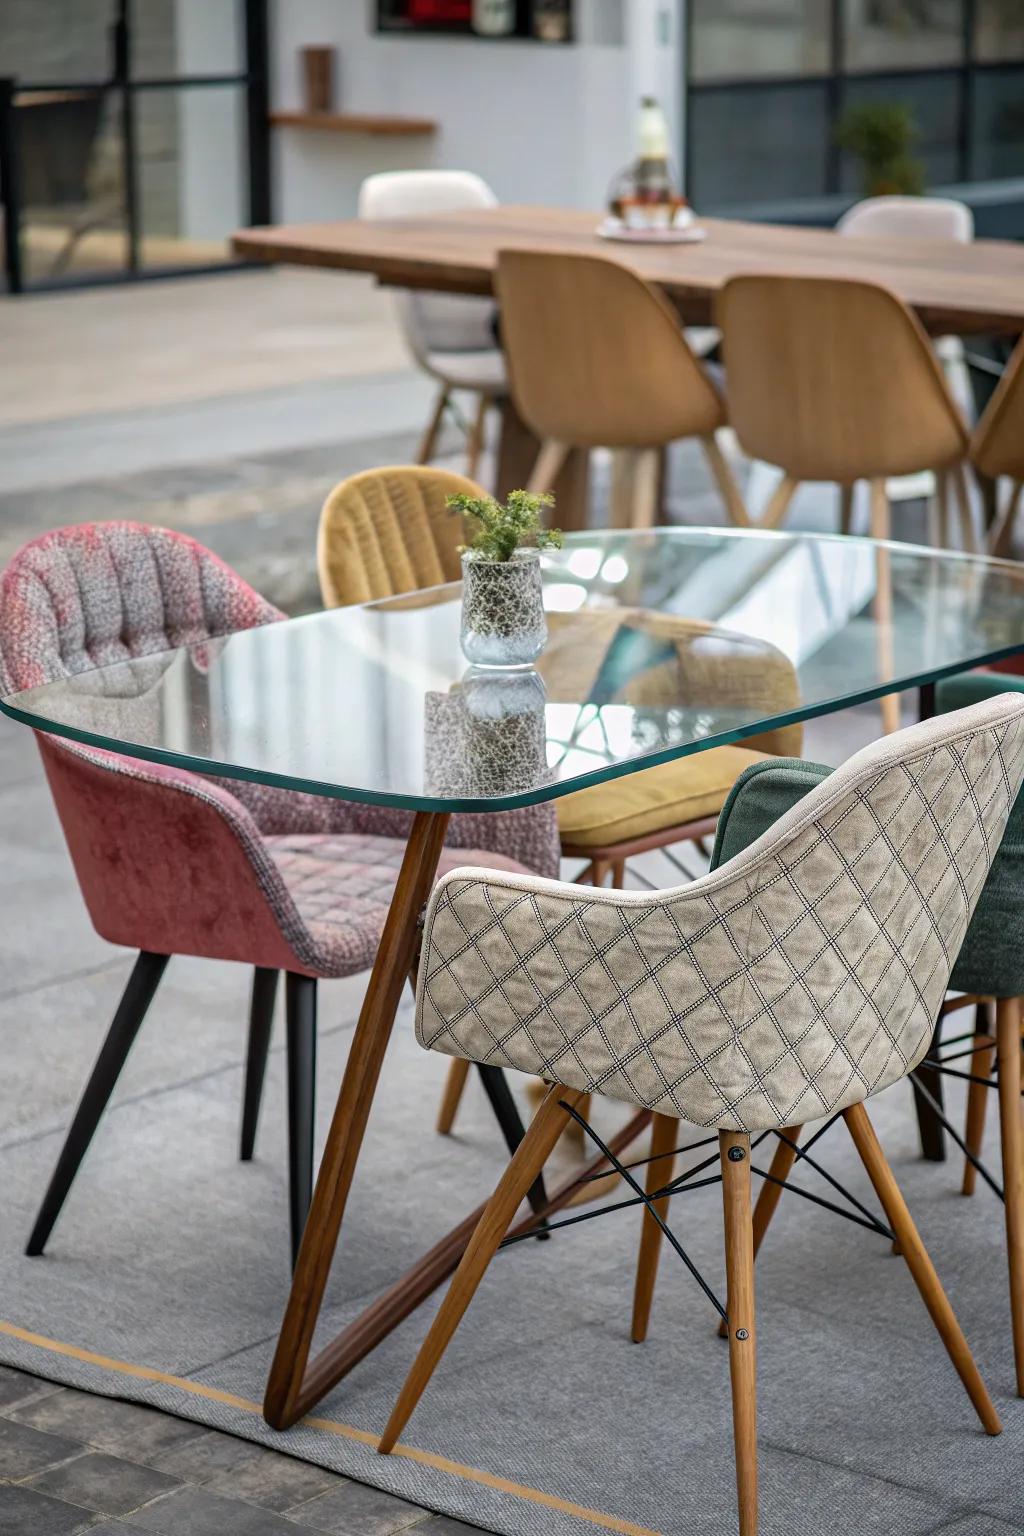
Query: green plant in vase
{"type": "Point", "coordinates": [881, 135]}
{"type": "Point", "coordinates": [503, 621]}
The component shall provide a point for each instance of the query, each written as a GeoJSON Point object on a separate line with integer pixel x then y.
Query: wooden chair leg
{"type": "Point", "coordinates": [1008, 1017]}
{"type": "Point", "coordinates": [845, 508]}
{"type": "Point", "coordinates": [475, 443]}
{"type": "Point", "coordinates": [127, 1021]}
{"type": "Point", "coordinates": [664, 1136]}
{"type": "Point", "coordinates": [977, 1104]}
{"type": "Point", "coordinates": [428, 442]}
{"type": "Point", "coordinates": [618, 874]}
{"type": "Point", "coordinates": [549, 461]}
{"type": "Point", "coordinates": [458, 1072]}
{"type": "Point", "coordinates": [300, 1010]}
{"type": "Point", "coordinates": [770, 1193]}
{"type": "Point", "coordinates": [739, 1270]}
{"type": "Point", "coordinates": [647, 487]}
{"type": "Point", "coordinates": [961, 489]}
{"type": "Point", "coordinates": [623, 487]}
{"type": "Point", "coordinates": [778, 504]}
{"type": "Point", "coordinates": [725, 480]}
{"type": "Point", "coordinates": [491, 1228]}
{"type": "Point", "coordinates": [919, 1264]}
{"type": "Point", "coordinates": [261, 1024]}
{"type": "Point", "coordinates": [1000, 539]}
{"type": "Point", "coordinates": [880, 529]}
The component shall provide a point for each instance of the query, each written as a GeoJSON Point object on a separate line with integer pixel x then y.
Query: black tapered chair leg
{"type": "Point", "coordinates": [300, 1000]}
{"type": "Point", "coordinates": [261, 1024]}
{"type": "Point", "coordinates": [499, 1096]}
{"type": "Point", "coordinates": [131, 1010]}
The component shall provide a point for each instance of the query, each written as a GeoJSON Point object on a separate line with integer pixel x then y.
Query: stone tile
{"type": "Point", "coordinates": [274, 1481]}
{"type": "Point", "coordinates": [17, 1386]}
{"type": "Point", "coordinates": [24, 1512]}
{"type": "Point", "coordinates": [195, 1512]}
{"type": "Point", "coordinates": [107, 1484]}
{"type": "Point", "coordinates": [444, 1525]}
{"type": "Point", "coordinates": [24, 1449]}
{"type": "Point", "coordinates": [125, 1429]}
{"type": "Point", "coordinates": [207, 1455]}
{"type": "Point", "coordinates": [357, 1510]}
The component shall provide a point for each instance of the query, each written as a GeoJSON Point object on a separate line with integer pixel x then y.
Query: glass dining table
{"type": "Point", "coordinates": [662, 643]}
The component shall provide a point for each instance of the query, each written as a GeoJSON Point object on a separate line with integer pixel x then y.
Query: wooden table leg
{"type": "Point", "coordinates": [366, 1331]}
{"type": "Point", "coordinates": [395, 958]}
{"type": "Point", "coordinates": [517, 453]}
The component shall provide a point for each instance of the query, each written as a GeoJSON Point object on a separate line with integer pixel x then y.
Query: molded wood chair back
{"type": "Point", "coordinates": [997, 447]}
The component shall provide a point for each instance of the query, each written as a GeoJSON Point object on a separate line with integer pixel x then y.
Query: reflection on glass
{"type": "Point", "coordinates": [191, 148]}
{"type": "Point", "coordinates": [902, 34]}
{"type": "Point", "coordinates": [70, 150]}
{"type": "Point", "coordinates": [757, 144]}
{"type": "Point", "coordinates": [997, 126]}
{"type": "Point", "coordinates": [748, 39]}
{"type": "Point", "coordinates": [933, 103]}
{"type": "Point", "coordinates": [487, 735]}
{"type": "Point", "coordinates": [998, 31]}
{"type": "Point", "coordinates": [704, 636]}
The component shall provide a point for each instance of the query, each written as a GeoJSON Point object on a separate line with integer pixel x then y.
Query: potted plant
{"type": "Point", "coordinates": [881, 135]}
{"type": "Point", "coordinates": [503, 621]}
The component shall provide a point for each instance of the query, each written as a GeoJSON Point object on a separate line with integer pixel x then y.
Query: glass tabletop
{"type": "Point", "coordinates": [660, 644]}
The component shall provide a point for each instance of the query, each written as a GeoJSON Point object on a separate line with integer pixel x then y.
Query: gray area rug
{"type": "Point", "coordinates": [167, 1275]}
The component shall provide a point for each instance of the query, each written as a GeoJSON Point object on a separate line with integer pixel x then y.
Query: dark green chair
{"type": "Point", "coordinates": [990, 965]}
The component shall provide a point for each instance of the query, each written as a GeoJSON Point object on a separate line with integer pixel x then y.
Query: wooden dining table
{"type": "Point", "coordinates": [961, 289]}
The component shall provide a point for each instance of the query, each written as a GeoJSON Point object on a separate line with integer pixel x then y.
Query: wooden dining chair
{"type": "Point", "coordinates": [997, 447]}
{"type": "Point", "coordinates": [385, 532]}
{"type": "Point", "coordinates": [796, 981]}
{"type": "Point", "coordinates": [597, 359]}
{"type": "Point", "coordinates": [834, 379]}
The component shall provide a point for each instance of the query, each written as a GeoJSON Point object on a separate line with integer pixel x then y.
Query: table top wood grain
{"type": "Point", "coordinates": [975, 288]}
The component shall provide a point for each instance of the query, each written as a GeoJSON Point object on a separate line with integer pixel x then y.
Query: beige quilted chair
{"type": "Point", "coordinates": [790, 984]}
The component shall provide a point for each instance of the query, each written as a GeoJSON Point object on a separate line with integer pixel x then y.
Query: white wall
{"type": "Point", "coordinates": [542, 124]}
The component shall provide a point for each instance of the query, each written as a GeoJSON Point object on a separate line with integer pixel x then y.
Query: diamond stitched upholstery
{"type": "Point", "coordinates": [802, 976]}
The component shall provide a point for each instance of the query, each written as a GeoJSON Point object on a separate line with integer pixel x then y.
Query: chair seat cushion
{"type": "Point", "coordinates": [342, 887]}
{"type": "Point", "coordinates": [655, 800]}
{"type": "Point", "coordinates": [471, 370]}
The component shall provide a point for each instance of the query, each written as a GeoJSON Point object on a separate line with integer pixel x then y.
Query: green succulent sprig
{"type": "Point", "coordinates": [507, 526]}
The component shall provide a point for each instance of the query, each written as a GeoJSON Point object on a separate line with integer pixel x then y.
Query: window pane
{"type": "Point", "coordinates": [190, 37]}
{"type": "Point", "coordinates": [997, 127]}
{"type": "Point", "coordinates": [998, 30]}
{"type": "Point", "coordinates": [56, 40]}
{"type": "Point", "coordinates": [933, 102]}
{"type": "Point", "coordinates": [191, 178]}
{"type": "Point", "coordinates": [747, 39]}
{"type": "Point", "coordinates": [70, 153]}
{"type": "Point", "coordinates": [902, 34]}
{"type": "Point", "coordinates": [757, 144]}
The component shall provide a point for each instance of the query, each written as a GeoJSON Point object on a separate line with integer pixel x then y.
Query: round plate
{"type": "Point", "coordinates": [614, 229]}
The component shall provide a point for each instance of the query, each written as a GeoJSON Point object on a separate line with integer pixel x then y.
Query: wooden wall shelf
{"type": "Point", "coordinates": [356, 122]}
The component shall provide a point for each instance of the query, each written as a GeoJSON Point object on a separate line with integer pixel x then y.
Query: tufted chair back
{"type": "Point", "coordinates": [797, 979]}
{"type": "Point", "coordinates": [99, 593]}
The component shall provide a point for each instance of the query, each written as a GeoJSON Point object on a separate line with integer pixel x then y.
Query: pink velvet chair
{"type": "Point", "coordinates": [171, 862]}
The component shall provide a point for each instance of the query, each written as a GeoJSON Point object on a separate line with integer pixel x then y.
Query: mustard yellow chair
{"type": "Point", "coordinates": [386, 532]}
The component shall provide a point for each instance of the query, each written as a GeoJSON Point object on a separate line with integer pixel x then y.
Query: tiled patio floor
{"type": "Point", "coordinates": [70, 1463]}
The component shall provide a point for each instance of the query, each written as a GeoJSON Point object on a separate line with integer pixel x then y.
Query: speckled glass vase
{"type": "Point", "coordinates": [503, 622]}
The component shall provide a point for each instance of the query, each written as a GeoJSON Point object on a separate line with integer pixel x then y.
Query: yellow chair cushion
{"type": "Point", "coordinates": [639, 804]}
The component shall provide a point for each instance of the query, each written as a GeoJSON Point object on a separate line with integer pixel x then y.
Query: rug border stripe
{"type": "Point", "coordinates": [333, 1427]}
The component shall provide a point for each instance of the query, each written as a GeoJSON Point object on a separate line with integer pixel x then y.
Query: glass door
{"type": "Point", "coordinates": [133, 136]}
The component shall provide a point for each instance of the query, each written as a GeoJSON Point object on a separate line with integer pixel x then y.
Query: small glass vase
{"type": "Point", "coordinates": [503, 623]}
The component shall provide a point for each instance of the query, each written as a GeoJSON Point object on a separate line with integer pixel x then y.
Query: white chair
{"type": "Point", "coordinates": [919, 218]}
{"type": "Point", "coordinates": [451, 337]}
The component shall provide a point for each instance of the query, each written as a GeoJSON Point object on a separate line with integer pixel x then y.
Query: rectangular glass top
{"type": "Point", "coordinates": [660, 644]}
